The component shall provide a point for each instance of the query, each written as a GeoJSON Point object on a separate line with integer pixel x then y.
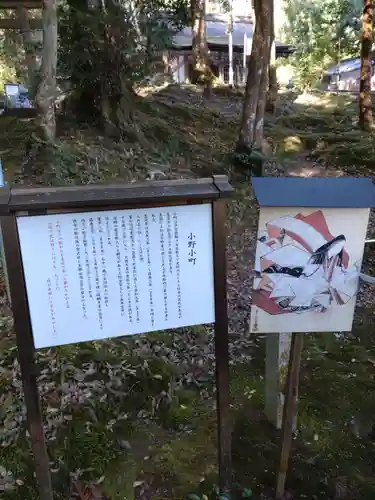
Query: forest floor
{"type": "Point", "coordinates": [135, 417]}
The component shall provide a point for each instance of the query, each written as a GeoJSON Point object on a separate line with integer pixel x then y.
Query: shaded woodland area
{"type": "Point", "coordinates": [134, 417]}
{"type": "Point", "coordinates": [106, 49]}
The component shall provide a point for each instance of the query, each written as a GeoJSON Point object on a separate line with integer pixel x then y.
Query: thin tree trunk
{"type": "Point", "coordinates": [272, 78]}
{"type": "Point", "coordinates": [46, 92]}
{"type": "Point", "coordinates": [254, 72]}
{"type": "Point", "coordinates": [365, 98]}
{"type": "Point", "coordinates": [202, 73]}
{"type": "Point", "coordinates": [28, 45]}
{"type": "Point", "coordinates": [261, 106]}
{"type": "Point", "coordinates": [251, 130]}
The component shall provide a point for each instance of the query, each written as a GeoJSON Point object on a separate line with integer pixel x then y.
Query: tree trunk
{"type": "Point", "coordinates": [365, 98]}
{"type": "Point", "coordinates": [251, 130]}
{"type": "Point", "coordinates": [201, 73]}
{"type": "Point", "coordinates": [261, 106]}
{"type": "Point", "coordinates": [272, 78]}
{"type": "Point", "coordinates": [47, 92]}
{"type": "Point", "coordinates": [28, 45]}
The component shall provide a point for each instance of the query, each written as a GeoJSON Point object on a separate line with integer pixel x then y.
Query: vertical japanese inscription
{"type": "Point", "coordinates": [178, 267]}
{"type": "Point", "coordinates": [52, 243]}
{"type": "Point", "coordinates": [96, 274]}
{"type": "Point", "coordinates": [108, 230]}
{"type": "Point", "coordinates": [134, 267]}
{"type": "Point", "coordinates": [170, 234]}
{"type": "Point", "coordinates": [120, 277]}
{"type": "Point", "coordinates": [51, 305]}
{"type": "Point", "coordinates": [63, 264]}
{"type": "Point", "coordinates": [124, 240]}
{"type": "Point", "coordinates": [163, 266]}
{"type": "Point", "coordinates": [104, 272]}
{"type": "Point", "coordinates": [139, 239]}
{"type": "Point", "coordinates": [84, 229]}
{"type": "Point", "coordinates": [149, 272]}
{"type": "Point", "coordinates": [191, 246]}
{"type": "Point", "coordinates": [79, 267]}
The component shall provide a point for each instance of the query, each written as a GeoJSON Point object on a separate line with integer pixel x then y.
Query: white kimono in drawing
{"type": "Point", "coordinates": [302, 267]}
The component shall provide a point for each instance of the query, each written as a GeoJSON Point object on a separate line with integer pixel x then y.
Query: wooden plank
{"type": "Point", "coordinates": [15, 24]}
{"type": "Point", "coordinates": [26, 4]}
{"type": "Point", "coordinates": [4, 199]}
{"type": "Point", "coordinates": [290, 410]}
{"type": "Point", "coordinates": [191, 190]}
{"type": "Point", "coordinates": [21, 113]}
{"type": "Point", "coordinates": [222, 347]}
{"type": "Point", "coordinates": [277, 360]}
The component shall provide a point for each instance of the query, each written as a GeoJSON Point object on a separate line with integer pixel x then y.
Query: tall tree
{"type": "Point", "coordinates": [108, 47]}
{"type": "Point", "coordinates": [201, 73]}
{"type": "Point", "coordinates": [272, 77]}
{"type": "Point", "coordinates": [365, 98]}
{"type": "Point", "coordinates": [251, 130]}
{"type": "Point", "coordinates": [46, 92]}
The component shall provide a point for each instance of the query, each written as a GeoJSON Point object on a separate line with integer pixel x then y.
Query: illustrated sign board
{"type": "Point", "coordinates": [94, 262]}
{"type": "Point", "coordinates": [95, 275]}
{"type": "Point", "coordinates": [310, 242]}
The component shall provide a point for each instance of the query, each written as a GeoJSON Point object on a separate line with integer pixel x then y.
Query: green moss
{"type": "Point", "coordinates": [182, 462]}
{"type": "Point", "coordinates": [177, 415]}
{"type": "Point", "coordinates": [246, 387]}
{"type": "Point", "coordinates": [120, 478]}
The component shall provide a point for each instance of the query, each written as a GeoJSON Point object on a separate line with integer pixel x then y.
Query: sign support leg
{"type": "Point", "coordinates": [290, 410]}
{"type": "Point", "coordinates": [221, 346]}
{"type": "Point", "coordinates": [277, 359]}
{"type": "Point", "coordinates": [26, 351]}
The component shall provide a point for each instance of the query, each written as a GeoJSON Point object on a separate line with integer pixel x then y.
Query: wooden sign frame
{"type": "Point", "coordinates": [44, 201]}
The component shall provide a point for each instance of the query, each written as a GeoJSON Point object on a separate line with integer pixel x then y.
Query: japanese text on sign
{"type": "Point", "coordinates": [101, 274]}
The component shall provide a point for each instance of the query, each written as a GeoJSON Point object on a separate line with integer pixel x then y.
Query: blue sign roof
{"type": "Point", "coordinates": [323, 192]}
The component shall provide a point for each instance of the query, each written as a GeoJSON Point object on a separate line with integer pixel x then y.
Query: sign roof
{"type": "Point", "coordinates": [323, 192]}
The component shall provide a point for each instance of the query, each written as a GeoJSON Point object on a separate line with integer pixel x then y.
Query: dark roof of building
{"type": "Point", "coordinates": [322, 192]}
{"type": "Point", "coordinates": [281, 50]}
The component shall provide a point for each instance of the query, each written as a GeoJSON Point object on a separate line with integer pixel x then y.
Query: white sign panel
{"type": "Point", "coordinates": [307, 268]}
{"type": "Point", "coordinates": [91, 276]}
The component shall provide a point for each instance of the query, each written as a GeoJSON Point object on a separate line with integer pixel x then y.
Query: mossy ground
{"type": "Point", "coordinates": [138, 414]}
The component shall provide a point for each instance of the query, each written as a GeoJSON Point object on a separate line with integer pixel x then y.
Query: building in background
{"type": "Point", "coordinates": [346, 75]}
{"type": "Point", "coordinates": [180, 55]}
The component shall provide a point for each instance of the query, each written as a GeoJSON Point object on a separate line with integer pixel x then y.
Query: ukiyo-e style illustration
{"type": "Point", "coordinates": [302, 267]}
{"type": "Point", "coordinates": [304, 270]}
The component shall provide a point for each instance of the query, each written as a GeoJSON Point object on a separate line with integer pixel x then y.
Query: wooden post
{"type": "Point", "coordinates": [26, 350]}
{"type": "Point", "coordinates": [3, 263]}
{"type": "Point", "coordinates": [277, 359]}
{"type": "Point", "coordinates": [290, 410]}
{"type": "Point", "coordinates": [221, 346]}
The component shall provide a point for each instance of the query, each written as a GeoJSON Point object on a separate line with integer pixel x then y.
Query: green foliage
{"type": "Point", "coordinates": [11, 57]}
{"type": "Point", "coordinates": [323, 32]}
{"type": "Point", "coordinates": [105, 51]}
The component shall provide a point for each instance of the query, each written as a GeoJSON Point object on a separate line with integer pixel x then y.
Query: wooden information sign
{"type": "Point", "coordinates": [93, 262]}
{"type": "Point", "coordinates": [310, 242]}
